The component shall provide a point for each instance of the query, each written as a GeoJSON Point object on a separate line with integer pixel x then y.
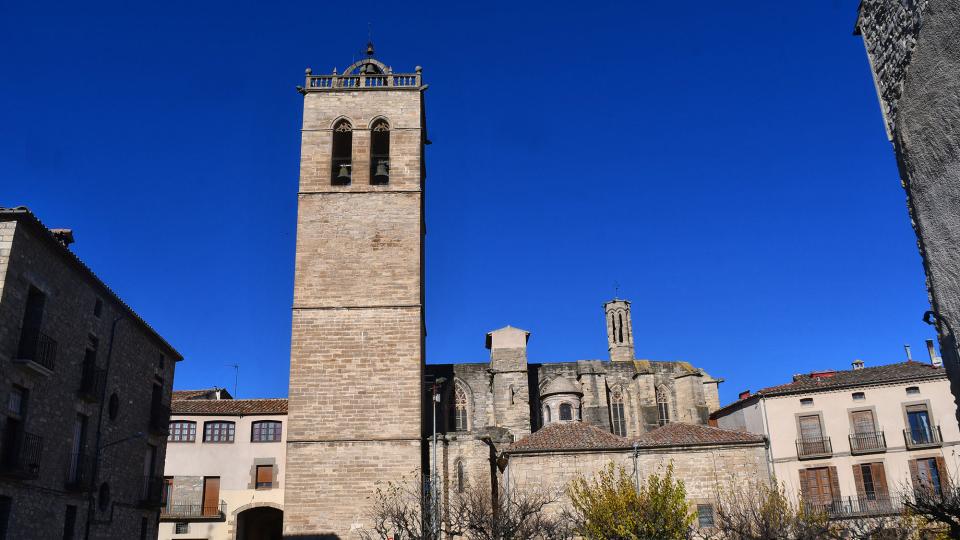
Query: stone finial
{"type": "Point", "coordinates": [309, 71]}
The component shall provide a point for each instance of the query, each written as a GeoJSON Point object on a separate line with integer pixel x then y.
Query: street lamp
{"type": "Point", "coordinates": [434, 478]}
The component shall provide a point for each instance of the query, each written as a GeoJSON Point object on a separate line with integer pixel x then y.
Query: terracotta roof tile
{"type": "Point", "coordinates": [679, 434]}
{"type": "Point", "coordinates": [206, 393]}
{"type": "Point", "coordinates": [228, 407]}
{"type": "Point", "coordinates": [568, 436]}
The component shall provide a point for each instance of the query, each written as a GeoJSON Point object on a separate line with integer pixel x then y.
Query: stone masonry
{"type": "Point", "coordinates": [46, 392]}
{"type": "Point", "coordinates": [357, 341]}
{"type": "Point", "coordinates": [913, 47]}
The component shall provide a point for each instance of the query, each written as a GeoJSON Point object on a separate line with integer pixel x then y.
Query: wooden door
{"type": "Point", "coordinates": [818, 491]}
{"type": "Point", "coordinates": [211, 495]}
{"type": "Point", "coordinates": [811, 435]}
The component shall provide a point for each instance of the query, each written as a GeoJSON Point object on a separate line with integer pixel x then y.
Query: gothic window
{"type": "Point", "coordinates": [342, 169]}
{"type": "Point", "coordinates": [663, 407]}
{"type": "Point", "coordinates": [460, 408]}
{"type": "Point", "coordinates": [566, 411]}
{"type": "Point", "coordinates": [461, 477]}
{"type": "Point", "coordinates": [620, 327]}
{"type": "Point", "coordinates": [380, 153]}
{"type": "Point", "coordinates": [616, 413]}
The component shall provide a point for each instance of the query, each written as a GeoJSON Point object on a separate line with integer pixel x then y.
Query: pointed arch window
{"type": "Point", "coordinates": [342, 153]}
{"type": "Point", "coordinates": [566, 411]}
{"type": "Point", "coordinates": [380, 153]}
{"type": "Point", "coordinates": [663, 407]}
{"type": "Point", "coordinates": [618, 420]}
{"type": "Point", "coordinates": [461, 408]}
{"type": "Point", "coordinates": [461, 477]}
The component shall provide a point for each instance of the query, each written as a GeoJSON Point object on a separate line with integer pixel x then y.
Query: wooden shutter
{"type": "Point", "coordinates": [211, 495]}
{"type": "Point", "coordinates": [810, 428]}
{"type": "Point", "coordinates": [879, 480]}
{"type": "Point", "coordinates": [834, 484]}
{"type": "Point", "coordinates": [858, 478]}
{"type": "Point", "coordinates": [944, 477]}
{"type": "Point", "coordinates": [863, 422]}
{"type": "Point", "coordinates": [265, 475]}
{"type": "Point", "coordinates": [914, 474]}
{"type": "Point", "coordinates": [805, 494]}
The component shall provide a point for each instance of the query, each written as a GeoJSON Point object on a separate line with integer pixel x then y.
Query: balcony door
{"type": "Point", "coordinates": [919, 419]}
{"type": "Point", "coordinates": [818, 487]}
{"type": "Point", "coordinates": [811, 435]}
{"type": "Point", "coordinates": [864, 431]}
{"type": "Point", "coordinates": [211, 495]}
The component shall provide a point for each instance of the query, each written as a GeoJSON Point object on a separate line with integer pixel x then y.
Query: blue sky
{"type": "Point", "coordinates": [724, 163]}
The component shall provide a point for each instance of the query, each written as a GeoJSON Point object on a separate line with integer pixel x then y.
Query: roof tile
{"type": "Point", "coordinates": [229, 407]}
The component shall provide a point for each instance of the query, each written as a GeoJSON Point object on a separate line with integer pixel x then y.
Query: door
{"type": "Point", "coordinates": [928, 475]}
{"type": "Point", "coordinates": [76, 456]}
{"type": "Point", "coordinates": [211, 495]}
{"type": "Point", "coordinates": [819, 492]}
{"type": "Point", "coordinates": [919, 420]}
{"type": "Point", "coordinates": [811, 435]}
{"type": "Point", "coordinates": [864, 431]}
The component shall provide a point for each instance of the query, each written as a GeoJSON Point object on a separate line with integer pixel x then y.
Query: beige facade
{"type": "Point", "coordinates": [247, 465]}
{"type": "Point", "coordinates": [855, 440]}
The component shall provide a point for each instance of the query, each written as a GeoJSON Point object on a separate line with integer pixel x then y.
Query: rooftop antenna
{"type": "Point", "coordinates": [236, 377]}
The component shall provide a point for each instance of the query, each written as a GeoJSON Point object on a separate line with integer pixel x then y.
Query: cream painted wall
{"type": "Point", "coordinates": [234, 464]}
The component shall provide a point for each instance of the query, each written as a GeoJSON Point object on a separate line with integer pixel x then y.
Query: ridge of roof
{"type": "Point", "coordinates": [683, 434]}
{"type": "Point", "coordinates": [22, 213]}
{"type": "Point", "coordinates": [229, 407]}
{"type": "Point", "coordinates": [568, 436]}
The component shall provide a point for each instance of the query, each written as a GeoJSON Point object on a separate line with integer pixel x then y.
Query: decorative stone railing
{"type": "Point", "coordinates": [362, 81]}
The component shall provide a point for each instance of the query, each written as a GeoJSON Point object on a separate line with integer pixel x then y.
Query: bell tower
{"type": "Point", "coordinates": [619, 330]}
{"type": "Point", "coordinates": [356, 356]}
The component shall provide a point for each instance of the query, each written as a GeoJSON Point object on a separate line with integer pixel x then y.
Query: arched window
{"type": "Point", "coordinates": [546, 414]}
{"type": "Point", "coordinates": [342, 169]}
{"type": "Point", "coordinates": [566, 411]}
{"type": "Point", "coordinates": [663, 407]}
{"type": "Point", "coordinates": [218, 431]}
{"type": "Point", "coordinates": [461, 477]}
{"type": "Point", "coordinates": [266, 431]}
{"type": "Point", "coordinates": [618, 421]}
{"type": "Point", "coordinates": [620, 327]}
{"type": "Point", "coordinates": [461, 413]}
{"type": "Point", "coordinates": [380, 153]}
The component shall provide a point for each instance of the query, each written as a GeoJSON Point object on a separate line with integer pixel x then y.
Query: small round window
{"type": "Point", "coordinates": [103, 497]}
{"type": "Point", "coordinates": [113, 408]}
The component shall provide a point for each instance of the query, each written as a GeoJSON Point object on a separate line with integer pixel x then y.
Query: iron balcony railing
{"type": "Point", "coordinates": [878, 504]}
{"type": "Point", "coordinates": [923, 438]}
{"type": "Point", "coordinates": [40, 349]}
{"type": "Point", "coordinates": [80, 472]}
{"type": "Point", "coordinates": [151, 493]}
{"type": "Point", "coordinates": [92, 382]}
{"type": "Point", "coordinates": [868, 442]}
{"type": "Point", "coordinates": [21, 453]}
{"type": "Point", "coordinates": [159, 419]}
{"type": "Point", "coordinates": [193, 511]}
{"type": "Point", "coordinates": [813, 447]}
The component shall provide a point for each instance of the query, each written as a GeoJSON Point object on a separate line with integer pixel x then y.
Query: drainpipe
{"type": "Point", "coordinates": [636, 470]}
{"type": "Point", "coordinates": [96, 446]}
{"type": "Point", "coordinates": [769, 442]}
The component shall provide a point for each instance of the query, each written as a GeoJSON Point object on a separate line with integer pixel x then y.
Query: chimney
{"type": "Point", "coordinates": [934, 359]}
{"type": "Point", "coordinates": [857, 364]}
{"type": "Point", "coordinates": [64, 236]}
{"type": "Point", "coordinates": [508, 349]}
{"type": "Point", "coordinates": [909, 356]}
{"type": "Point", "coordinates": [744, 395]}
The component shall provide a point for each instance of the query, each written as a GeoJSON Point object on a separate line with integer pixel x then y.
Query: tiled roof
{"type": "Point", "coordinates": [228, 407]}
{"type": "Point", "coordinates": [23, 214]}
{"type": "Point", "coordinates": [568, 436]}
{"type": "Point", "coordinates": [850, 378]}
{"type": "Point", "coordinates": [679, 434]}
{"type": "Point", "coordinates": [207, 393]}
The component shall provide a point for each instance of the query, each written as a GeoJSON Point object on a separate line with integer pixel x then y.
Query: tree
{"type": "Point", "coordinates": [936, 509]}
{"type": "Point", "coordinates": [610, 507]}
{"type": "Point", "coordinates": [400, 511]}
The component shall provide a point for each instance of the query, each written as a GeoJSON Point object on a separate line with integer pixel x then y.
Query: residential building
{"type": "Point", "coordinates": [913, 48]}
{"type": "Point", "coordinates": [225, 467]}
{"type": "Point", "coordinates": [855, 441]}
{"type": "Point", "coordinates": [85, 385]}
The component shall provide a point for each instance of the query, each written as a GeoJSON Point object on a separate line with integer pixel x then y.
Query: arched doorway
{"type": "Point", "coordinates": [261, 523]}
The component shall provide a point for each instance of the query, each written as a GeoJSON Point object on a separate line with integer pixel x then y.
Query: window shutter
{"type": "Point", "coordinates": [914, 474]}
{"type": "Point", "coordinates": [879, 480]}
{"type": "Point", "coordinates": [805, 494]}
{"type": "Point", "coordinates": [834, 484]}
{"type": "Point", "coordinates": [858, 478]}
{"type": "Point", "coordinates": [265, 474]}
{"type": "Point", "coordinates": [944, 475]}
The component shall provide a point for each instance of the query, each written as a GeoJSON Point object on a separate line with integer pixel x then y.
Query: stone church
{"type": "Point", "coordinates": [357, 347]}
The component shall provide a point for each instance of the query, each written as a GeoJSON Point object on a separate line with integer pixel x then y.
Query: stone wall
{"type": "Point", "coordinates": [914, 52]}
{"type": "Point", "coordinates": [29, 257]}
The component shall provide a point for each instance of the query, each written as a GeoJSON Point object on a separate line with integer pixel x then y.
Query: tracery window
{"type": "Point", "coordinates": [618, 420]}
{"type": "Point", "coordinates": [380, 153]}
{"type": "Point", "coordinates": [342, 154]}
{"type": "Point", "coordinates": [663, 407]}
{"type": "Point", "coordinates": [461, 413]}
{"type": "Point", "coordinates": [566, 411]}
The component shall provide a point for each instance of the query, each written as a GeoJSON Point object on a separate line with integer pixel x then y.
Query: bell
{"type": "Point", "coordinates": [382, 171]}
{"type": "Point", "coordinates": [344, 173]}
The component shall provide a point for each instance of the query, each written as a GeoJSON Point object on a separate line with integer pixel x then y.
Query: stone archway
{"type": "Point", "coordinates": [263, 521]}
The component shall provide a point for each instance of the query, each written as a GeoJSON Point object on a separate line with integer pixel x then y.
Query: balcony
{"type": "Point", "coordinates": [92, 382]}
{"type": "Point", "coordinates": [879, 504]}
{"type": "Point", "coordinates": [159, 419]}
{"type": "Point", "coordinates": [868, 443]}
{"type": "Point", "coordinates": [193, 512]}
{"type": "Point", "coordinates": [362, 81]}
{"type": "Point", "coordinates": [151, 493]}
{"type": "Point", "coordinates": [814, 447]}
{"type": "Point", "coordinates": [38, 352]}
{"type": "Point", "coordinates": [923, 438]}
{"type": "Point", "coordinates": [20, 456]}
{"type": "Point", "coordinates": [79, 472]}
